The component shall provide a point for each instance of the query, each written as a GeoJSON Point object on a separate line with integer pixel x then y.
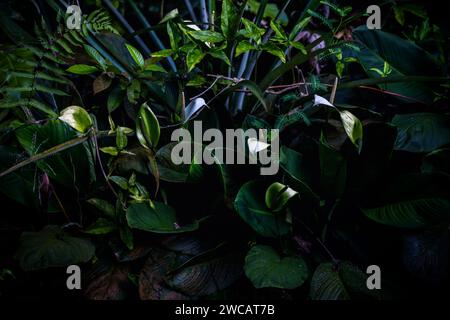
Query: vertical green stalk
{"type": "Point", "coordinates": [212, 13]}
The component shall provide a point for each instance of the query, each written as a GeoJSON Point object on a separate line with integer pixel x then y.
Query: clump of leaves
{"type": "Point", "coordinates": [86, 123]}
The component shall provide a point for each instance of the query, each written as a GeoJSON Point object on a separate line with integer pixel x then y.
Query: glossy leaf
{"type": "Point", "coordinates": [405, 58]}
{"type": "Point", "coordinates": [101, 226]}
{"type": "Point", "coordinates": [82, 69]}
{"type": "Point", "coordinates": [158, 218]}
{"type": "Point", "coordinates": [77, 118]}
{"type": "Point", "coordinates": [265, 268]}
{"type": "Point", "coordinates": [278, 195]}
{"type": "Point", "coordinates": [147, 127]}
{"type": "Point", "coordinates": [137, 56]}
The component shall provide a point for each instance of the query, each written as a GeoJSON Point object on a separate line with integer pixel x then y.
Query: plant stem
{"type": "Point", "coordinates": [333, 90]}
{"type": "Point", "coordinates": [212, 12]}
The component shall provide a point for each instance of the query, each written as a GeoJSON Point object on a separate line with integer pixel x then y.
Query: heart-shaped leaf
{"type": "Point", "coordinates": [52, 247]}
{"type": "Point", "coordinates": [159, 218]}
{"type": "Point", "coordinates": [77, 118]}
{"type": "Point", "coordinates": [265, 268]}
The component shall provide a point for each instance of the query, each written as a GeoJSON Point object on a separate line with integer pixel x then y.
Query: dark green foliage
{"type": "Point", "coordinates": [87, 177]}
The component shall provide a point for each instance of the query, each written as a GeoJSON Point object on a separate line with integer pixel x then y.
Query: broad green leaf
{"type": "Point", "coordinates": [169, 16]}
{"type": "Point", "coordinates": [95, 55]}
{"type": "Point", "coordinates": [291, 162]}
{"type": "Point", "coordinates": [250, 205]}
{"type": "Point", "coordinates": [110, 150]}
{"type": "Point", "coordinates": [104, 206]}
{"type": "Point", "coordinates": [18, 185]}
{"type": "Point", "coordinates": [137, 56]}
{"type": "Point", "coordinates": [252, 31]}
{"type": "Point", "coordinates": [158, 218]}
{"type": "Point", "coordinates": [76, 117]}
{"type": "Point", "coordinates": [243, 47]}
{"type": "Point", "coordinates": [174, 37]}
{"type": "Point", "coordinates": [194, 57]}
{"type": "Point", "coordinates": [126, 235]}
{"type": "Point", "coordinates": [116, 45]}
{"type": "Point", "coordinates": [115, 98]}
{"type": "Point", "coordinates": [147, 127]}
{"type": "Point", "coordinates": [279, 32]}
{"type": "Point", "coordinates": [228, 18]}
{"type": "Point", "coordinates": [52, 247]}
{"type": "Point", "coordinates": [121, 138]}
{"type": "Point", "coordinates": [421, 132]}
{"type": "Point", "coordinates": [219, 54]}
{"type": "Point", "coordinates": [273, 49]}
{"type": "Point", "coordinates": [412, 201]}
{"type": "Point", "coordinates": [120, 181]}
{"type": "Point", "coordinates": [294, 116]}
{"type": "Point", "coordinates": [299, 174]}
{"type": "Point", "coordinates": [101, 226]}
{"type": "Point", "coordinates": [337, 281]}
{"type": "Point", "coordinates": [207, 36]}
{"type": "Point", "coordinates": [70, 163]}
{"type": "Point", "coordinates": [265, 268]}
{"type": "Point", "coordinates": [278, 195]}
{"type": "Point", "coordinates": [82, 69]}
{"type": "Point", "coordinates": [299, 46]}
{"type": "Point", "coordinates": [405, 58]}
{"type": "Point", "coordinates": [168, 171]}
{"type": "Point", "coordinates": [134, 91]}
{"type": "Point", "coordinates": [353, 128]}
{"type": "Point", "coordinates": [162, 53]}
{"type": "Point", "coordinates": [155, 68]}
{"type": "Point", "coordinates": [416, 213]}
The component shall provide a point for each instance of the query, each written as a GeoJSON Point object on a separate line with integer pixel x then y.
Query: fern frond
{"type": "Point", "coordinates": [322, 18]}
